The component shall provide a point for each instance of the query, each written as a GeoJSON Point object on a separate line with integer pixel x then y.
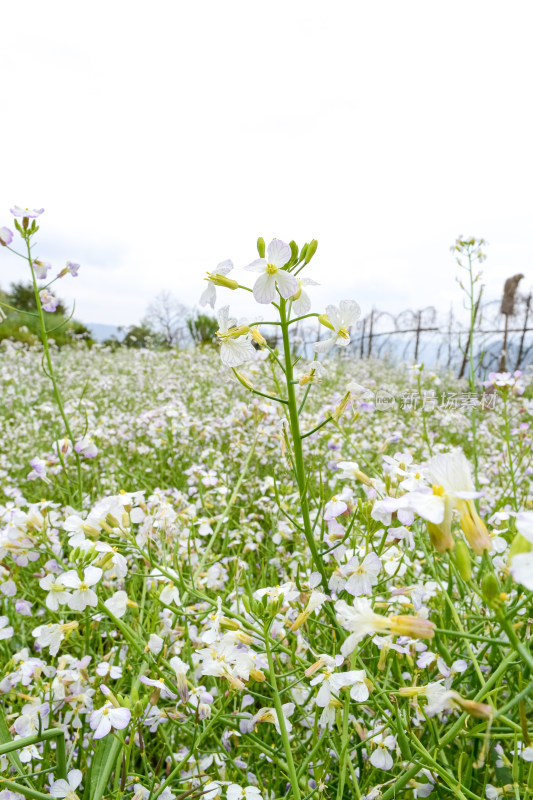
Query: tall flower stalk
{"type": "Point", "coordinates": [46, 302]}
{"type": "Point", "coordinates": [468, 255]}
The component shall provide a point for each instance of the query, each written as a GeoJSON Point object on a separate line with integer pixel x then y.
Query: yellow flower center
{"type": "Point", "coordinates": [343, 333]}
{"type": "Point", "coordinates": [83, 587]}
{"type": "Point", "coordinates": [271, 269]}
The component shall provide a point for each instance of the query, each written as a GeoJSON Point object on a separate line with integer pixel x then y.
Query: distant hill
{"type": "Point", "coordinates": [100, 332]}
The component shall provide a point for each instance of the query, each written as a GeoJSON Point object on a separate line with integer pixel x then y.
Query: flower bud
{"type": "Point", "coordinates": [294, 250]}
{"type": "Point", "coordinates": [490, 588]}
{"type": "Point", "coordinates": [407, 625]}
{"type": "Point", "coordinates": [303, 251]}
{"type": "Point", "coordinates": [441, 539]}
{"type": "Point", "coordinates": [105, 562]}
{"type": "Point", "coordinates": [476, 533]}
{"type": "Point", "coordinates": [88, 530]}
{"type": "Point", "coordinates": [341, 408]}
{"type": "Point", "coordinates": [311, 250]}
{"type": "Point", "coordinates": [258, 337]}
{"type": "Point", "coordinates": [462, 560]}
{"type": "Point", "coordinates": [243, 380]}
{"type": "Point", "coordinates": [324, 320]}
{"type": "Point", "coordinates": [138, 709]}
{"type": "Point", "coordinates": [222, 280]}
{"type": "Point", "coordinates": [478, 710]}
{"type": "Point", "coordinates": [229, 624]}
{"type": "Point", "coordinates": [261, 247]}
{"type": "Point", "coordinates": [234, 333]}
{"type": "Point", "coordinates": [257, 675]}
{"type": "Point", "coordinates": [298, 292]}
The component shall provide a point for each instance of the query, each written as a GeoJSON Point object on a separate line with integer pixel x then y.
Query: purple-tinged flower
{"type": "Point", "coordinates": [38, 470]}
{"type": "Point", "coordinates": [66, 788]}
{"type": "Point", "coordinates": [73, 268]}
{"type": "Point", "coordinates": [17, 211]}
{"type": "Point", "coordinates": [23, 607]}
{"type": "Point", "coordinates": [49, 302]}
{"type": "Point", "coordinates": [86, 447]}
{"type": "Point", "coordinates": [6, 236]}
{"type": "Point", "coordinates": [41, 269]}
{"type": "Point", "coordinates": [103, 719]}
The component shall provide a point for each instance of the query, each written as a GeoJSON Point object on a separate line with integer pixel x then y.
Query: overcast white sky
{"type": "Point", "coordinates": [164, 137]}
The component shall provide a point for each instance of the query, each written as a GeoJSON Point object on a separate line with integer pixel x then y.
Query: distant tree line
{"type": "Point", "coordinates": [168, 324]}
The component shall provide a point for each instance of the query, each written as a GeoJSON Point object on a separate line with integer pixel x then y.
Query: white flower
{"type": "Point", "coordinates": [52, 635]}
{"type": "Point", "coordinates": [235, 342]}
{"type": "Point", "coordinates": [82, 596]}
{"type": "Point", "coordinates": [117, 604]}
{"type": "Point", "coordinates": [453, 488]}
{"type": "Point", "coordinates": [6, 631]}
{"type": "Point", "coordinates": [302, 304]}
{"type": "Point", "coordinates": [209, 295]}
{"type": "Point", "coordinates": [105, 668]}
{"type": "Point", "coordinates": [361, 621]}
{"type": "Point", "coordinates": [524, 525]}
{"type": "Point", "coordinates": [57, 592]}
{"type": "Point", "coordinates": [155, 644]}
{"type": "Point", "coordinates": [67, 788]}
{"type": "Point", "coordinates": [211, 790]}
{"type": "Point", "coordinates": [181, 670]}
{"type": "Point", "coordinates": [522, 569]}
{"type": "Point", "coordinates": [339, 320]}
{"type": "Point", "coordinates": [86, 447]}
{"type": "Point", "coordinates": [522, 563]}
{"type": "Point", "coordinates": [288, 590]}
{"type": "Point", "coordinates": [381, 758]}
{"type": "Point", "coordinates": [103, 719]}
{"type": "Point", "coordinates": [272, 275]}
{"type": "Point", "coordinates": [357, 577]}
{"type": "Point", "coordinates": [234, 792]}
{"type": "Point", "coordinates": [334, 508]}
{"type": "Point", "coordinates": [17, 211]}
{"type": "Point", "coordinates": [269, 715]}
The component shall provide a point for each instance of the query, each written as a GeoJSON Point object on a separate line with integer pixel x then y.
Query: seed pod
{"type": "Point", "coordinates": [462, 560]}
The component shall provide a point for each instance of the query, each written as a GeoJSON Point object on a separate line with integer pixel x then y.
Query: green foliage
{"type": "Point", "coordinates": [139, 336]}
{"type": "Point", "coordinates": [202, 328]}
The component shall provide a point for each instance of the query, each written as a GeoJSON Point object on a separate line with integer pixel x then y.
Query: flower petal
{"type": "Point", "coordinates": [287, 284]}
{"type": "Point", "coordinates": [259, 265]}
{"type": "Point", "coordinates": [278, 253]}
{"type": "Point", "coordinates": [265, 288]}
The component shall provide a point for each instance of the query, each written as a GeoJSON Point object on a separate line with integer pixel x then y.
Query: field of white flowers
{"type": "Point", "coordinates": [260, 578]}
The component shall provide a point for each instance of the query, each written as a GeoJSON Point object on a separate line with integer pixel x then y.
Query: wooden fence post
{"type": "Point", "coordinates": [523, 336]}
{"type": "Point", "coordinates": [417, 341]}
{"type": "Point", "coordinates": [369, 349]}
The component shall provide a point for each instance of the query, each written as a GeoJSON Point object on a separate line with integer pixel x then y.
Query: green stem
{"type": "Point", "coordinates": [281, 719]}
{"type": "Point", "coordinates": [51, 373]}
{"type": "Point", "coordinates": [297, 445]}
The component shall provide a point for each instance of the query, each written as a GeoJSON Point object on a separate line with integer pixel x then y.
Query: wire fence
{"type": "Point", "coordinates": [501, 342]}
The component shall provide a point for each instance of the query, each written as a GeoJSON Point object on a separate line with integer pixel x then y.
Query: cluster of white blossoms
{"type": "Point", "coordinates": [276, 280]}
